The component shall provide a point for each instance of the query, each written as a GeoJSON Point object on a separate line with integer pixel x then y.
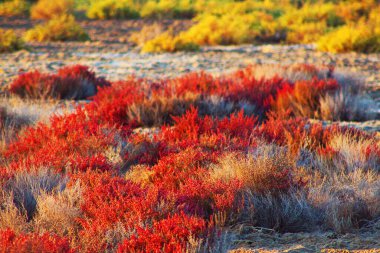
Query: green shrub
{"type": "Point", "coordinates": [9, 41]}
{"type": "Point", "coordinates": [112, 9]}
{"type": "Point", "coordinates": [62, 28]}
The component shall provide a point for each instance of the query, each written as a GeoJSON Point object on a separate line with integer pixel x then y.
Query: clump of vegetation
{"type": "Point", "coordinates": [360, 38]}
{"type": "Point", "coordinates": [167, 9]}
{"type": "Point", "coordinates": [75, 82]}
{"type": "Point", "coordinates": [255, 22]}
{"type": "Point", "coordinates": [9, 41]}
{"type": "Point", "coordinates": [112, 9]}
{"type": "Point", "coordinates": [45, 9]}
{"type": "Point", "coordinates": [166, 42]}
{"type": "Point", "coordinates": [14, 8]}
{"type": "Point", "coordinates": [147, 33]}
{"type": "Point", "coordinates": [61, 28]}
{"type": "Point", "coordinates": [229, 147]}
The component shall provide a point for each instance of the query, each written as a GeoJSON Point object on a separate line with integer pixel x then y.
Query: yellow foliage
{"type": "Point", "coordinates": [48, 9]}
{"type": "Point", "coordinates": [62, 28]}
{"type": "Point", "coordinates": [361, 38]}
{"type": "Point", "coordinates": [167, 9]}
{"type": "Point", "coordinates": [166, 42]}
{"type": "Point", "coordinates": [9, 41]}
{"type": "Point", "coordinates": [109, 9]}
{"type": "Point", "coordinates": [14, 8]}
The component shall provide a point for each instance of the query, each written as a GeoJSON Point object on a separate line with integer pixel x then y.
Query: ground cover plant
{"type": "Point", "coordinates": [73, 82]}
{"type": "Point", "coordinates": [59, 28]}
{"type": "Point", "coordinates": [9, 41]}
{"type": "Point", "coordinates": [173, 165]}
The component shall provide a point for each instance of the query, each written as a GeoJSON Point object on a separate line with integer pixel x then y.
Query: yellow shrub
{"type": "Point", "coordinates": [110, 9]}
{"type": "Point", "coordinates": [228, 29]}
{"type": "Point", "coordinates": [360, 38]}
{"type": "Point", "coordinates": [14, 8]}
{"type": "Point", "coordinates": [62, 28]}
{"type": "Point", "coordinates": [9, 41]}
{"type": "Point", "coordinates": [306, 33]}
{"type": "Point", "coordinates": [168, 9]}
{"type": "Point", "coordinates": [47, 9]}
{"type": "Point", "coordinates": [166, 42]}
{"type": "Point", "coordinates": [309, 23]}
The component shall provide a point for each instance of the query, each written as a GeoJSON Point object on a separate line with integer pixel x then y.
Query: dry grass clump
{"type": "Point", "coordinates": [27, 186]}
{"type": "Point", "coordinates": [10, 216]}
{"type": "Point", "coordinates": [284, 213]}
{"type": "Point", "coordinates": [59, 28]}
{"type": "Point", "coordinates": [263, 171]}
{"type": "Point", "coordinates": [348, 200]}
{"type": "Point", "coordinates": [9, 41]}
{"type": "Point", "coordinates": [158, 110]}
{"type": "Point", "coordinates": [46, 9]}
{"type": "Point", "coordinates": [57, 213]}
{"type": "Point", "coordinates": [148, 32]}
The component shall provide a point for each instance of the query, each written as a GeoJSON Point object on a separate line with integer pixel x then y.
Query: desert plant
{"type": "Point", "coordinates": [112, 9]}
{"type": "Point", "coordinates": [33, 242]}
{"type": "Point", "coordinates": [45, 9]}
{"type": "Point", "coordinates": [166, 42]}
{"type": "Point", "coordinates": [58, 212]}
{"type": "Point", "coordinates": [360, 38]}
{"type": "Point", "coordinates": [268, 170]}
{"type": "Point", "coordinates": [167, 9]}
{"type": "Point", "coordinates": [14, 8]}
{"type": "Point", "coordinates": [9, 41]}
{"type": "Point", "coordinates": [147, 33]}
{"type": "Point", "coordinates": [60, 28]}
{"type": "Point", "coordinates": [71, 82]}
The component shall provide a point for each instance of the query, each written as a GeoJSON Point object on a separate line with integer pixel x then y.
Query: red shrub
{"type": "Point", "coordinates": [302, 99]}
{"type": "Point", "coordinates": [110, 104]}
{"type": "Point", "coordinates": [73, 82]}
{"type": "Point", "coordinates": [34, 85]}
{"type": "Point", "coordinates": [212, 134]}
{"type": "Point", "coordinates": [168, 235]}
{"type": "Point", "coordinates": [25, 243]}
{"type": "Point", "coordinates": [69, 141]}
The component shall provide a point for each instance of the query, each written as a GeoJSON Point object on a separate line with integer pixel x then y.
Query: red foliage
{"type": "Point", "coordinates": [302, 98]}
{"type": "Point", "coordinates": [73, 82]}
{"type": "Point", "coordinates": [167, 235]}
{"type": "Point", "coordinates": [25, 243]}
{"type": "Point", "coordinates": [70, 140]}
{"type": "Point", "coordinates": [111, 103]}
{"type": "Point", "coordinates": [179, 196]}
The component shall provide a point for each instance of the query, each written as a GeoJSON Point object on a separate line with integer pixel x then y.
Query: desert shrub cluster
{"type": "Point", "coordinates": [9, 41]}
{"type": "Point", "coordinates": [334, 26]}
{"type": "Point", "coordinates": [171, 165]}
{"type": "Point", "coordinates": [59, 28]}
{"type": "Point", "coordinates": [45, 9]}
{"type": "Point", "coordinates": [14, 8]}
{"type": "Point", "coordinates": [72, 82]}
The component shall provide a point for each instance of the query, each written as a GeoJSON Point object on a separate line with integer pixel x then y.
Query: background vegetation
{"type": "Point", "coordinates": [335, 26]}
